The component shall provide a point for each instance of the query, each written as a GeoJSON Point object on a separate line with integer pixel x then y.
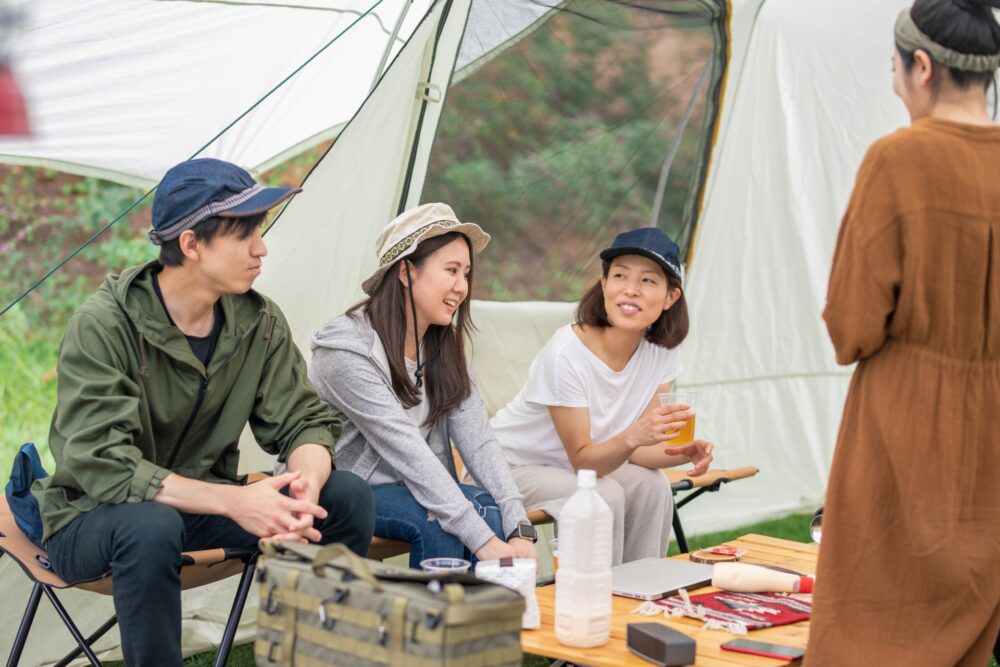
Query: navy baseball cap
{"type": "Point", "coordinates": [196, 190]}
{"type": "Point", "coordinates": [649, 242]}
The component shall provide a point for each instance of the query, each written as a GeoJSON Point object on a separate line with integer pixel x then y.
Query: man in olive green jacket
{"type": "Point", "coordinates": [159, 372]}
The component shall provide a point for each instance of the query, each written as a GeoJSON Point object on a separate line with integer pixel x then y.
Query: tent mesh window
{"type": "Point", "coordinates": [597, 121]}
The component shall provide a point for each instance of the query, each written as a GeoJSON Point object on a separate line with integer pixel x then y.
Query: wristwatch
{"type": "Point", "coordinates": [525, 531]}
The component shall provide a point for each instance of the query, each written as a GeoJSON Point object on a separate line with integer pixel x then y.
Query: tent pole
{"type": "Point", "coordinates": [411, 162]}
{"type": "Point", "coordinates": [654, 215]}
{"type": "Point", "coordinates": [392, 40]}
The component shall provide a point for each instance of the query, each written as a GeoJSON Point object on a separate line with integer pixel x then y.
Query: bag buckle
{"type": "Point", "coordinates": [271, 605]}
{"type": "Point", "coordinates": [339, 595]}
{"type": "Point", "coordinates": [432, 620]}
{"type": "Point", "coordinates": [324, 620]}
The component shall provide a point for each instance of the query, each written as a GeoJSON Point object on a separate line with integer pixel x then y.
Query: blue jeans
{"type": "Point", "coordinates": [398, 516]}
{"type": "Point", "coordinates": [141, 545]}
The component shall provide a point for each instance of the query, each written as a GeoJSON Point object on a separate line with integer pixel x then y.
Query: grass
{"type": "Point", "coordinates": [793, 527]}
{"type": "Point", "coordinates": [28, 389]}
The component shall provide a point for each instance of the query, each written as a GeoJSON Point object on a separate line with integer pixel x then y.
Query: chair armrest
{"type": "Point", "coordinates": [679, 481]}
{"type": "Point", "coordinates": [382, 548]}
{"type": "Point", "coordinates": [539, 517]}
{"type": "Point", "coordinates": [205, 557]}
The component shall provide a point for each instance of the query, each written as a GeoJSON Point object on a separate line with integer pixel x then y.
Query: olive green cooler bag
{"type": "Point", "coordinates": [327, 606]}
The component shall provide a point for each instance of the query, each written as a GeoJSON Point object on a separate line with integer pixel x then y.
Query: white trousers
{"type": "Point", "coordinates": [640, 501]}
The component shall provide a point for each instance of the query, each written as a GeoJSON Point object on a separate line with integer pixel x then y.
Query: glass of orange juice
{"type": "Point", "coordinates": [554, 548]}
{"type": "Point", "coordinates": [690, 398]}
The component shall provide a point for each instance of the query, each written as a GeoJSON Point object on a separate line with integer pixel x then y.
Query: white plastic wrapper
{"type": "Point", "coordinates": [518, 574]}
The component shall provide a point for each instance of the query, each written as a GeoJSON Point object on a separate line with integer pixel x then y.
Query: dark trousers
{"type": "Point", "coordinates": [141, 545]}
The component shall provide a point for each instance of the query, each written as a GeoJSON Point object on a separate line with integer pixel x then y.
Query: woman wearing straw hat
{"type": "Point", "coordinates": [909, 572]}
{"type": "Point", "coordinates": [393, 369]}
{"type": "Point", "coordinates": [591, 401]}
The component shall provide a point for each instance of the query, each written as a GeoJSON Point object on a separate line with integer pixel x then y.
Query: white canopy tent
{"type": "Point", "coordinates": [806, 89]}
{"type": "Point", "coordinates": [809, 89]}
{"type": "Point", "coordinates": [125, 89]}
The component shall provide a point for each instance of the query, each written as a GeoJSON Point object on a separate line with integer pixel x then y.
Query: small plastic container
{"type": "Point", "coordinates": [450, 565]}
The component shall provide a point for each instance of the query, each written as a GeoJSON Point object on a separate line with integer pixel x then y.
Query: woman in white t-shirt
{"type": "Point", "coordinates": [590, 399]}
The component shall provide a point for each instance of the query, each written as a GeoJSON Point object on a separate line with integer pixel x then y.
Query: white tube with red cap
{"type": "Point", "coordinates": [746, 578]}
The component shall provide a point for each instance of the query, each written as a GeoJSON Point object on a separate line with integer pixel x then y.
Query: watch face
{"type": "Point", "coordinates": [528, 531]}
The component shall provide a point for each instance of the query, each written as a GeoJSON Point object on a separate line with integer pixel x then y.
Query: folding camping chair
{"type": "Point", "coordinates": [710, 482]}
{"type": "Point", "coordinates": [197, 569]}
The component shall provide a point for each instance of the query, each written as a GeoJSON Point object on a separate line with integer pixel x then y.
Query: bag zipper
{"type": "Point", "coordinates": [203, 387]}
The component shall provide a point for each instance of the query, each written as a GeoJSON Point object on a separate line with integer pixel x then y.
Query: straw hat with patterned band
{"type": "Point", "coordinates": [401, 237]}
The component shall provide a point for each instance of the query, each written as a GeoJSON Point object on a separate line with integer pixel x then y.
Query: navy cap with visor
{"type": "Point", "coordinates": [199, 189]}
{"type": "Point", "coordinates": [649, 242]}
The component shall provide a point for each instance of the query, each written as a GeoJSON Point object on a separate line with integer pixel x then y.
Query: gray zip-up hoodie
{"type": "Point", "coordinates": [379, 436]}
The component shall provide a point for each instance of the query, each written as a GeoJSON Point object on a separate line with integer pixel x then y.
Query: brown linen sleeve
{"type": "Point", "coordinates": [867, 264]}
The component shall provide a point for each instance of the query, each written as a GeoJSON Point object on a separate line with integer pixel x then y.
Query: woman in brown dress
{"type": "Point", "coordinates": [909, 570]}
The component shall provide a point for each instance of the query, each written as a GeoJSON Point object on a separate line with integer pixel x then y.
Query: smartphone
{"type": "Point", "coordinates": [765, 649]}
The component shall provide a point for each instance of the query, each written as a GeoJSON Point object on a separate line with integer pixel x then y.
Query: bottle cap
{"type": "Point", "coordinates": [586, 479]}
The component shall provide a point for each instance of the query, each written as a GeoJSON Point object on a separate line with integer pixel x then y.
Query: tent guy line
{"type": "Point", "coordinates": [292, 5]}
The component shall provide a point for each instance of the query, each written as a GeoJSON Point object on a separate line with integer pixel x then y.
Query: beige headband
{"type": "Point", "coordinates": [910, 38]}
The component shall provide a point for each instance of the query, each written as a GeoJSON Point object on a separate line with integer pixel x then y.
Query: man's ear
{"type": "Point", "coordinates": [189, 245]}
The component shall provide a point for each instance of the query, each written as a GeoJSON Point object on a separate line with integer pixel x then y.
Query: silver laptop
{"type": "Point", "coordinates": [655, 578]}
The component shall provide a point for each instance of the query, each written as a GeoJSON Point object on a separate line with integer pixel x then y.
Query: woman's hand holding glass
{"type": "Point", "coordinates": [658, 425]}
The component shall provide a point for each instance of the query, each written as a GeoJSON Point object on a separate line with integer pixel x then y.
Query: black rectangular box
{"type": "Point", "coordinates": [660, 644]}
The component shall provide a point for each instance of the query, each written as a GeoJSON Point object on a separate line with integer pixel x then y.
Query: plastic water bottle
{"type": "Point", "coordinates": [583, 580]}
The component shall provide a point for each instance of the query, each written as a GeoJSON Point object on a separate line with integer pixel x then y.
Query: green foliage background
{"type": "Point", "coordinates": [44, 214]}
{"type": "Point", "coordinates": [557, 145]}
